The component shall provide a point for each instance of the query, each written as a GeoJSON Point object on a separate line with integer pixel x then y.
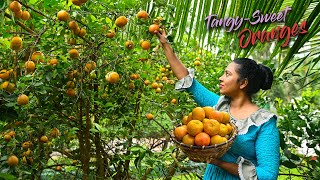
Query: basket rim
{"type": "Point", "coordinates": [234, 134]}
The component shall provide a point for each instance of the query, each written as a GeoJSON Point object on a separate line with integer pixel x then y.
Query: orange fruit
{"type": "Point", "coordinates": [190, 116]}
{"type": "Point", "coordinates": [54, 132]}
{"type": "Point", "coordinates": [73, 53]}
{"type": "Point", "coordinates": [53, 62]}
{"type": "Point", "coordinates": [129, 44]}
{"type": "Point", "coordinates": [44, 139]}
{"type": "Point", "coordinates": [194, 127]}
{"type": "Point", "coordinates": [7, 138]}
{"type": "Point", "coordinates": [158, 90]}
{"type": "Point", "coordinates": [11, 87]}
{"type": "Point", "coordinates": [110, 34]}
{"type": "Point", "coordinates": [208, 110]}
{"type": "Point", "coordinates": [90, 66]}
{"type": "Point", "coordinates": [145, 45]}
{"type": "Point", "coordinates": [164, 78]}
{"type": "Point", "coordinates": [22, 99]}
{"type": "Point", "coordinates": [71, 92]}
{"type": "Point", "coordinates": [217, 139]}
{"type": "Point", "coordinates": [77, 2]}
{"type": "Point", "coordinates": [12, 133]}
{"type": "Point", "coordinates": [154, 85]}
{"type": "Point", "coordinates": [63, 15]}
{"type": "Point", "coordinates": [18, 14]}
{"type": "Point", "coordinates": [13, 160]}
{"type": "Point", "coordinates": [197, 63]}
{"type": "Point", "coordinates": [131, 85]}
{"type": "Point", "coordinates": [72, 41]}
{"type": "Point", "coordinates": [29, 66]}
{"type": "Point", "coordinates": [73, 25]}
{"type": "Point", "coordinates": [58, 168]}
{"type": "Point", "coordinates": [15, 6]}
{"type": "Point", "coordinates": [4, 85]}
{"type": "Point", "coordinates": [26, 145]}
{"type": "Point", "coordinates": [211, 127]}
{"type": "Point", "coordinates": [121, 21]}
{"type": "Point", "coordinates": [76, 31]}
{"type": "Point", "coordinates": [25, 15]}
{"type": "Point", "coordinates": [185, 120]}
{"type": "Point", "coordinates": [16, 43]}
{"type": "Point", "coordinates": [223, 130]}
{"type": "Point", "coordinates": [4, 74]}
{"type": "Point", "coordinates": [188, 139]}
{"type": "Point", "coordinates": [153, 28]}
{"type": "Point", "coordinates": [160, 85]}
{"type": "Point", "coordinates": [174, 101]}
{"type": "Point", "coordinates": [226, 117]}
{"type": "Point", "coordinates": [198, 113]}
{"type": "Point", "coordinates": [149, 116]}
{"type": "Point", "coordinates": [142, 15]}
{"type": "Point", "coordinates": [180, 131]}
{"type": "Point", "coordinates": [202, 139]}
{"type": "Point", "coordinates": [146, 82]}
{"type": "Point", "coordinates": [230, 128]}
{"type": "Point", "coordinates": [37, 56]}
{"type": "Point", "coordinates": [112, 77]}
{"type": "Point", "coordinates": [82, 32]}
{"type": "Point", "coordinates": [70, 84]}
{"type": "Point", "coordinates": [216, 115]}
{"type": "Point", "coordinates": [24, 160]}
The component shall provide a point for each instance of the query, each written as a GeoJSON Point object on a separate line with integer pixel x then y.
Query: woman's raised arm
{"type": "Point", "coordinates": [176, 65]}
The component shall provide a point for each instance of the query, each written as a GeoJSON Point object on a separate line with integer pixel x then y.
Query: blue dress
{"type": "Point", "coordinates": [256, 149]}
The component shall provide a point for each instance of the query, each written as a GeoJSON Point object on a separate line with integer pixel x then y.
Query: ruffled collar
{"type": "Point", "coordinates": [257, 118]}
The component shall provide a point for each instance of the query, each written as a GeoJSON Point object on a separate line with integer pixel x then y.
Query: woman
{"type": "Point", "coordinates": [255, 152]}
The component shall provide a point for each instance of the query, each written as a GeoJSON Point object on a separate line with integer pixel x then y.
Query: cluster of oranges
{"type": "Point", "coordinates": [15, 7]}
{"type": "Point", "coordinates": [203, 127]}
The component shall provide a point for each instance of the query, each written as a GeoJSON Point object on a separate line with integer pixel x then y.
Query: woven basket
{"type": "Point", "coordinates": [207, 153]}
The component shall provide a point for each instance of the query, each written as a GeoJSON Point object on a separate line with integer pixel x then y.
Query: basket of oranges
{"type": "Point", "coordinates": [205, 134]}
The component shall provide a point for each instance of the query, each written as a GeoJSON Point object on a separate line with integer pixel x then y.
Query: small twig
{"type": "Point", "coordinates": [288, 174]}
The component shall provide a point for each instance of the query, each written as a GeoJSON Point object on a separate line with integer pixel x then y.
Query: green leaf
{"type": "Point", "coordinates": [33, 1]}
{"type": "Point", "coordinates": [10, 104]}
{"type": "Point", "coordinates": [289, 164]}
{"type": "Point", "coordinates": [295, 141]}
{"type": "Point", "coordinates": [7, 176]}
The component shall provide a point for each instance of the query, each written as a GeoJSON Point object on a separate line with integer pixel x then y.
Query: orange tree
{"type": "Point", "coordinates": [77, 81]}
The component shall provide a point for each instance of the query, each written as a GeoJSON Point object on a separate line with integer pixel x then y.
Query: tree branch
{"type": "Point", "coordinates": [20, 24]}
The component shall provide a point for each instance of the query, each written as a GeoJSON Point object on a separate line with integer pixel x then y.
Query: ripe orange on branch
{"type": "Point", "coordinates": [37, 56]}
{"type": "Point", "coordinates": [29, 66]}
{"type": "Point", "coordinates": [25, 15]}
{"type": "Point", "coordinates": [73, 25]}
{"type": "Point", "coordinates": [73, 53]}
{"type": "Point", "coordinates": [142, 15]}
{"type": "Point", "coordinates": [13, 161]}
{"type": "Point", "coordinates": [23, 99]}
{"type": "Point", "coordinates": [63, 15]}
{"type": "Point", "coordinates": [145, 45]}
{"type": "Point", "coordinates": [16, 43]}
{"type": "Point", "coordinates": [121, 21]}
{"type": "Point", "coordinates": [110, 34]}
{"type": "Point", "coordinates": [113, 77]}
{"type": "Point", "coordinates": [153, 28]}
{"type": "Point", "coordinates": [149, 116]}
{"type": "Point", "coordinates": [4, 74]}
{"type": "Point", "coordinates": [15, 6]}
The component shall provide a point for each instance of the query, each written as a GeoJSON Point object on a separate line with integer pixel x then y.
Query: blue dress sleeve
{"type": "Point", "coordinates": [268, 151]}
{"type": "Point", "coordinates": [202, 95]}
